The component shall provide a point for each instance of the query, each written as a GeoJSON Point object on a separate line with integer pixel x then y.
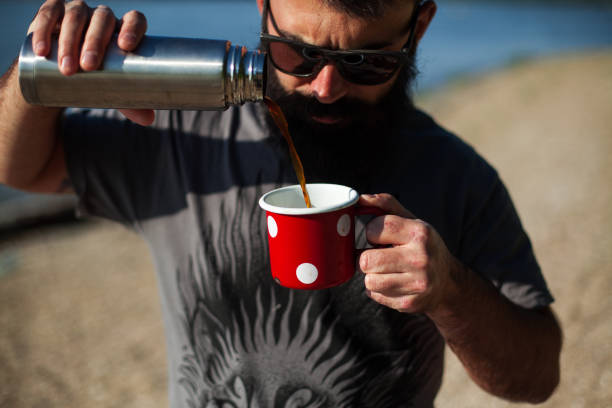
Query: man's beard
{"type": "Point", "coordinates": [345, 152]}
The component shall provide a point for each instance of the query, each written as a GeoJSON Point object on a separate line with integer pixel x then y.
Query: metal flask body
{"type": "Point", "coordinates": [162, 73]}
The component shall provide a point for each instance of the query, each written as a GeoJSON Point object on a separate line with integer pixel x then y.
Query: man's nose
{"type": "Point", "coordinates": [328, 85]}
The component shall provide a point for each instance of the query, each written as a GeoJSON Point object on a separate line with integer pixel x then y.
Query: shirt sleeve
{"type": "Point", "coordinates": [120, 170]}
{"type": "Point", "coordinates": [495, 244]}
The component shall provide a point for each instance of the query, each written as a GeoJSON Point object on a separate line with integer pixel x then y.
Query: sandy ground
{"type": "Point", "coordinates": [79, 314]}
{"type": "Point", "coordinates": [547, 128]}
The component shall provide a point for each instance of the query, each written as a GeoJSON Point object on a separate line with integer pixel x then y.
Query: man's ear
{"type": "Point", "coordinates": [426, 14]}
{"type": "Point", "coordinates": [260, 6]}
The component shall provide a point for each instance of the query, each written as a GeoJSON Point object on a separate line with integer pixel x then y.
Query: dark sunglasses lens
{"type": "Point", "coordinates": [375, 69]}
{"type": "Point", "coordinates": [290, 58]}
{"type": "Point", "coordinates": [312, 54]}
{"type": "Point", "coordinates": [364, 69]}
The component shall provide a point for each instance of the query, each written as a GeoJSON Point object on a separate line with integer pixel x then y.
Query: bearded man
{"type": "Point", "coordinates": [449, 263]}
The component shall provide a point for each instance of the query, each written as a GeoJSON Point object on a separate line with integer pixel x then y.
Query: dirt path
{"type": "Point", "coordinates": [79, 313]}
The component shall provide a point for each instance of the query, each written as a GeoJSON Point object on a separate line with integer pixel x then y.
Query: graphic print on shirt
{"type": "Point", "coordinates": [254, 344]}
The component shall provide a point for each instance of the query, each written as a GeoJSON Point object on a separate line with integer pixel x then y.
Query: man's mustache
{"type": "Point", "coordinates": [308, 107]}
{"type": "Point", "coordinates": [341, 108]}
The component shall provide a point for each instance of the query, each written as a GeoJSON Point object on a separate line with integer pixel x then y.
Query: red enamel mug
{"type": "Point", "coordinates": [312, 248]}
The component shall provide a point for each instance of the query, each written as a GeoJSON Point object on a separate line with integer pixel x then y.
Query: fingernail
{"type": "Point", "coordinates": [39, 48]}
{"type": "Point", "coordinates": [67, 63]}
{"type": "Point", "coordinates": [129, 38]}
{"type": "Point", "coordinates": [90, 58]}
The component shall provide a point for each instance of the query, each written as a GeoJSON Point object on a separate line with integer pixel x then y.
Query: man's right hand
{"type": "Point", "coordinates": [84, 35]}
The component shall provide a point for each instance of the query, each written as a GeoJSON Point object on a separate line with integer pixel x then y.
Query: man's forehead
{"type": "Point", "coordinates": [362, 9]}
{"type": "Point", "coordinates": [366, 8]}
{"type": "Point", "coordinates": [305, 20]}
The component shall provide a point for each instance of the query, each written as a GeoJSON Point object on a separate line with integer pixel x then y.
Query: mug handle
{"type": "Point", "coordinates": [368, 210]}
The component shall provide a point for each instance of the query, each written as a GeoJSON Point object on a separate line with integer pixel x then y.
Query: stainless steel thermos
{"type": "Point", "coordinates": [162, 73]}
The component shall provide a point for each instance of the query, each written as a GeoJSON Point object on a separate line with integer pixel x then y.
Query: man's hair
{"type": "Point", "coordinates": [364, 8]}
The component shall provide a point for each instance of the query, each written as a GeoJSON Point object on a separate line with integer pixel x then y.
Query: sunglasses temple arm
{"type": "Point", "coordinates": [264, 16]}
{"type": "Point", "coordinates": [413, 24]}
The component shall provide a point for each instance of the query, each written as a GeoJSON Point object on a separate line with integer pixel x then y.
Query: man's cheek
{"type": "Point", "coordinates": [291, 84]}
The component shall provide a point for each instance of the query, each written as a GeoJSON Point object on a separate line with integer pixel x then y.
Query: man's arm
{"type": "Point", "coordinates": [31, 152]}
{"type": "Point", "coordinates": [509, 351]}
{"type": "Point", "coordinates": [31, 157]}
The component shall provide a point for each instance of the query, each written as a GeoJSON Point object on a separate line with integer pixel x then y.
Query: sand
{"type": "Point", "coordinates": [547, 127]}
{"type": "Point", "coordinates": [79, 314]}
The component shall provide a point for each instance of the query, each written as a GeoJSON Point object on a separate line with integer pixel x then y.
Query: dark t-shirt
{"type": "Point", "coordinates": [189, 185]}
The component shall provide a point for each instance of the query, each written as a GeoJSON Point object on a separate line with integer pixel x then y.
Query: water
{"type": "Point", "coordinates": [474, 37]}
{"type": "Point", "coordinates": [234, 20]}
{"type": "Point", "coordinates": [466, 37]}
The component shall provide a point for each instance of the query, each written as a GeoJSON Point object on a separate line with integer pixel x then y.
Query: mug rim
{"type": "Point", "coordinates": [352, 194]}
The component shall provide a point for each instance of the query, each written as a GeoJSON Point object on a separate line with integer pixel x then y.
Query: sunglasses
{"type": "Point", "coordinates": [363, 67]}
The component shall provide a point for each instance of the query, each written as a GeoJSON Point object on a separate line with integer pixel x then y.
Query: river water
{"type": "Point", "coordinates": [465, 38]}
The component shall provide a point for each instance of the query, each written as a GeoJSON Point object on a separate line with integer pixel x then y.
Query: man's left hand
{"type": "Point", "coordinates": [410, 269]}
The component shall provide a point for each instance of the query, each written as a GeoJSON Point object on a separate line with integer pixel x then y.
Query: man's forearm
{"type": "Point", "coordinates": [28, 136]}
{"type": "Point", "coordinates": [509, 351]}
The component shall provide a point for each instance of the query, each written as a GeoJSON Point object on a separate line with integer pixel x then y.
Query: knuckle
{"type": "Point", "coordinates": [48, 17]}
{"type": "Point", "coordinates": [135, 19]}
{"type": "Point", "coordinates": [405, 303]}
{"type": "Point", "coordinates": [76, 13]}
{"type": "Point", "coordinates": [50, 7]}
{"type": "Point", "coordinates": [420, 231]}
{"type": "Point", "coordinates": [135, 15]}
{"type": "Point", "coordinates": [392, 224]}
{"type": "Point", "coordinates": [46, 13]}
{"type": "Point", "coordinates": [104, 11]}
{"type": "Point", "coordinates": [76, 6]}
{"type": "Point", "coordinates": [420, 285]}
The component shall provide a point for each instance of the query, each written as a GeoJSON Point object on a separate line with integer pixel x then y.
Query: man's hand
{"type": "Point", "coordinates": [83, 37]}
{"type": "Point", "coordinates": [411, 268]}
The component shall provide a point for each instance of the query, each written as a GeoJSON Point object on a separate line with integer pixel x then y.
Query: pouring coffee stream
{"type": "Point", "coordinates": [281, 122]}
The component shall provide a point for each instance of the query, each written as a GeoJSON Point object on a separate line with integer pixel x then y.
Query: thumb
{"type": "Point", "coordinates": [385, 202]}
